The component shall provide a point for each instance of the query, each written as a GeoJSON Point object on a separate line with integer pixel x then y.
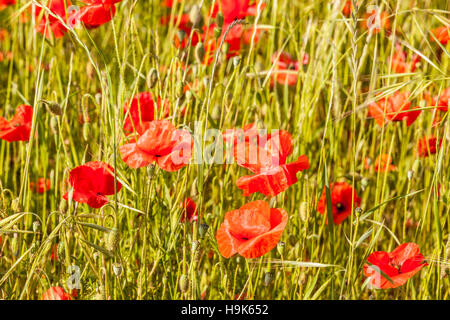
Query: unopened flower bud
{"type": "Point", "coordinates": [53, 107]}
{"type": "Point", "coordinates": [219, 20]}
{"type": "Point", "coordinates": [199, 52]}
{"type": "Point", "coordinates": [202, 230]}
{"type": "Point", "coordinates": [86, 127]}
{"type": "Point", "coordinates": [179, 89]}
{"type": "Point", "coordinates": [268, 278]}
{"type": "Point", "coordinates": [117, 269]}
{"type": "Point", "coordinates": [152, 78]}
{"type": "Point", "coordinates": [195, 16]}
{"type": "Point", "coordinates": [410, 174]}
{"type": "Point", "coordinates": [36, 226]}
{"type": "Point", "coordinates": [280, 247]}
{"type": "Point", "coordinates": [236, 61]}
{"type": "Point", "coordinates": [303, 211]}
{"type": "Point", "coordinates": [364, 183]}
{"type": "Point", "coordinates": [217, 32]}
{"type": "Point", "coordinates": [184, 283]}
{"type": "Point", "coordinates": [54, 125]}
{"type": "Point", "coordinates": [112, 240]}
{"type": "Point", "coordinates": [15, 205]}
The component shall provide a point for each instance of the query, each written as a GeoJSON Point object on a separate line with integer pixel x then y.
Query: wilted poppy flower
{"type": "Point", "coordinates": [428, 146]}
{"type": "Point", "coordinates": [48, 24]}
{"type": "Point", "coordinates": [286, 68]}
{"type": "Point", "coordinates": [399, 63]}
{"type": "Point", "coordinates": [190, 211]}
{"type": "Point", "coordinates": [399, 265]}
{"type": "Point", "coordinates": [41, 185]}
{"type": "Point", "coordinates": [92, 182]}
{"type": "Point", "coordinates": [252, 231]}
{"type": "Point", "coordinates": [139, 111]}
{"type": "Point", "coordinates": [19, 127]}
{"type": "Point", "coordinates": [162, 143]}
{"type": "Point", "coordinates": [442, 34]}
{"type": "Point", "coordinates": [56, 293]}
{"type": "Point", "coordinates": [5, 3]}
{"type": "Point", "coordinates": [396, 107]}
{"type": "Point", "coordinates": [343, 200]}
{"type": "Point", "coordinates": [376, 21]}
{"type": "Point", "coordinates": [267, 161]}
{"type": "Point", "coordinates": [442, 100]}
{"type": "Point", "coordinates": [383, 163]}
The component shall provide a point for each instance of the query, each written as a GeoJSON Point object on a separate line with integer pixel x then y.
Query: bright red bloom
{"type": "Point", "coordinates": [398, 108]}
{"type": "Point", "coordinates": [347, 9]}
{"type": "Point", "coordinates": [95, 15]}
{"type": "Point", "coordinates": [383, 163]}
{"type": "Point", "coordinates": [190, 211]}
{"type": "Point", "coordinates": [41, 186]}
{"type": "Point", "coordinates": [238, 9]}
{"type": "Point", "coordinates": [47, 24]}
{"type": "Point", "coordinates": [266, 158]}
{"type": "Point", "coordinates": [442, 100]}
{"type": "Point", "coordinates": [19, 127]}
{"type": "Point", "coordinates": [286, 68]}
{"type": "Point", "coordinates": [5, 3]}
{"type": "Point", "coordinates": [399, 63]}
{"type": "Point", "coordinates": [162, 143]}
{"type": "Point", "coordinates": [376, 21]}
{"type": "Point", "coordinates": [183, 23]}
{"type": "Point", "coordinates": [343, 200]}
{"type": "Point", "coordinates": [56, 293]}
{"type": "Point", "coordinates": [141, 110]}
{"type": "Point", "coordinates": [399, 265]}
{"type": "Point", "coordinates": [442, 34]}
{"type": "Point", "coordinates": [91, 183]}
{"type": "Point", "coordinates": [428, 146]}
{"type": "Point", "coordinates": [252, 231]}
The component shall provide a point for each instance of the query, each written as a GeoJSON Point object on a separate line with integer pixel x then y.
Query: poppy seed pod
{"type": "Point", "coordinates": [112, 240]}
{"type": "Point", "coordinates": [53, 107]}
{"type": "Point", "coordinates": [184, 283]}
{"type": "Point", "coordinates": [199, 52]}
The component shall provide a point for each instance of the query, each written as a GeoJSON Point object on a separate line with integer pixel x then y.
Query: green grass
{"type": "Point", "coordinates": [94, 72]}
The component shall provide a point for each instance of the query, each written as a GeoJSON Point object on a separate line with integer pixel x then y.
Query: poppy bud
{"type": "Point", "coordinates": [60, 249]}
{"type": "Point", "coordinates": [179, 89]}
{"type": "Point", "coordinates": [34, 247]}
{"type": "Point", "coordinates": [410, 174]}
{"type": "Point", "coordinates": [236, 61]}
{"type": "Point", "coordinates": [86, 128]}
{"type": "Point", "coordinates": [164, 281]}
{"type": "Point", "coordinates": [304, 211]}
{"type": "Point", "coordinates": [53, 107]}
{"type": "Point", "coordinates": [217, 32]}
{"type": "Point", "coordinates": [268, 278]}
{"type": "Point", "coordinates": [199, 52]}
{"type": "Point", "coordinates": [202, 230]}
{"type": "Point", "coordinates": [117, 269]}
{"type": "Point", "coordinates": [54, 125]}
{"type": "Point", "coordinates": [15, 205]}
{"type": "Point", "coordinates": [364, 183]}
{"type": "Point", "coordinates": [180, 35]}
{"type": "Point", "coordinates": [358, 210]}
{"type": "Point", "coordinates": [188, 95]}
{"type": "Point", "coordinates": [195, 16]}
{"type": "Point", "coordinates": [36, 226]}
{"type": "Point", "coordinates": [152, 78]}
{"type": "Point", "coordinates": [112, 240]}
{"type": "Point", "coordinates": [416, 166]}
{"type": "Point", "coordinates": [184, 283]}
{"type": "Point", "coordinates": [280, 247]}
{"type": "Point", "coordinates": [219, 20]}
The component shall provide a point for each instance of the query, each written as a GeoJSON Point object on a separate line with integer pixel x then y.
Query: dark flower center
{"type": "Point", "coordinates": [340, 207]}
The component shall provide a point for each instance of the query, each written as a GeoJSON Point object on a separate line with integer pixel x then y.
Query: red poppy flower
{"type": "Point", "coordinates": [91, 183]}
{"type": "Point", "coordinates": [428, 146]}
{"type": "Point", "coordinates": [348, 8]}
{"type": "Point", "coordinates": [19, 127]}
{"type": "Point", "coordinates": [442, 34]}
{"type": "Point", "coordinates": [238, 9]}
{"type": "Point", "coordinates": [286, 69]}
{"type": "Point", "coordinates": [397, 107]}
{"type": "Point", "coordinates": [190, 211]}
{"type": "Point", "coordinates": [56, 293]}
{"type": "Point", "coordinates": [162, 143]}
{"type": "Point", "coordinates": [383, 163]}
{"type": "Point", "coordinates": [399, 265]}
{"type": "Point", "coordinates": [343, 199]}
{"type": "Point", "coordinates": [5, 3]}
{"type": "Point", "coordinates": [47, 24]}
{"type": "Point", "coordinates": [268, 163]}
{"type": "Point", "coordinates": [376, 21]}
{"type": "Point", "coordinates": [95, 15]}
{"type": "Point", "coordinates": [41, 186]}
{"type": "Point", "coordinates": [141, 109]}
{"type": "Point", "coordinates": [184, 24]}
{"type": "Point", "coordinates": [252, 231]}
{"type": "Point", "coordinates": [442, 100]}
{"type": "Point", "coordinates": [399, 62]}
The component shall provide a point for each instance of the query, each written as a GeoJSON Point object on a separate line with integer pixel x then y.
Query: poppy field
{"type": "Point", "coordinates": [224, 149]}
